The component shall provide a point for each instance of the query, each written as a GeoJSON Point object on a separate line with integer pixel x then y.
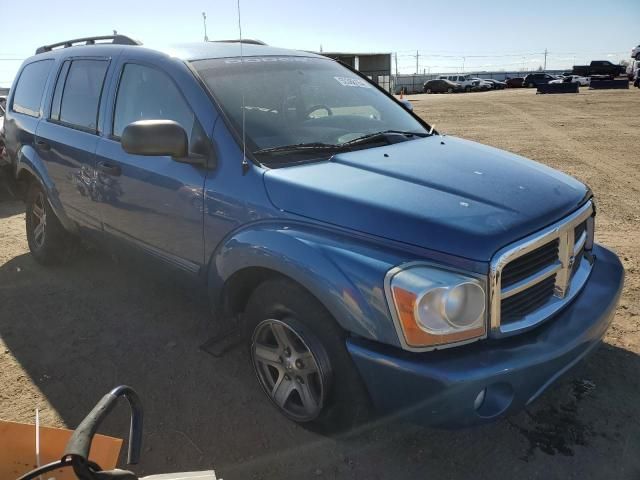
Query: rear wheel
{"type": "Point", "coordinates": [48, 241]}
{"type": "Point", "coordinates": [300, 359]}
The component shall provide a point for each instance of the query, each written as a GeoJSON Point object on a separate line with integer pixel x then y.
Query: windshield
{"type": "Point", "coordinates": [294, 101]}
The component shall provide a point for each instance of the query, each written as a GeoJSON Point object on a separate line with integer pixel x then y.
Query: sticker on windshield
{"type": "Point", "coordinates": [352, 82]}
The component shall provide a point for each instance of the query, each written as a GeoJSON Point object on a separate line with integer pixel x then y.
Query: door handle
{"type": "Point", "coordinates": [42, 145]}
{"type": "Point", "coordinates": [110, 169]}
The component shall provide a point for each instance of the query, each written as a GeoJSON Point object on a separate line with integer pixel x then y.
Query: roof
{"type": "Point", "coordinates": [185, 51]}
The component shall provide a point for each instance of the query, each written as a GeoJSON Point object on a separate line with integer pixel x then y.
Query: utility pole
{"type": "Point", "coordinates": [464, 59]}
{"type": "Point", "coordinates": [417, 62]}
{"type": "Point", "coordinates": [204, 22]}
{"type": "Point", "coordinates": [545, 59]}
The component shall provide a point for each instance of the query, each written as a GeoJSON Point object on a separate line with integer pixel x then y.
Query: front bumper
{"type": "Point", "coordinates": [440, 388]}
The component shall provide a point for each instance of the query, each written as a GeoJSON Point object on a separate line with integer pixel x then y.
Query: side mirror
{"type": "Point", "coordinates": [155, 138]}
{"type": "Point", "coordinates": [407, 104]}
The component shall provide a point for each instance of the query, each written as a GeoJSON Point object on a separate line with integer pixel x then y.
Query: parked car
{"type": "Point", "coordinates": [535, 79]}
{"type": "Point", "coordinates": [441, 86]}
{"type": "Point", "coordinates": [632, 68]}
{"type": "Point", "coordinates": [583, 81]}
{"type": "Point", "coordinates": [482, 83]}
{"type": "Point", "coordinates": [516, 82]}
{"type": "Point", "coordinates": [635, 53]}
{"type": "Point", "coordinates": [497, 85]}
{"type": "Point", "coordinates": [463, 80]}
{"type": "Point", "coordinates": [599, 67]}
{"type": "Point", "coordinates": [360, 251]}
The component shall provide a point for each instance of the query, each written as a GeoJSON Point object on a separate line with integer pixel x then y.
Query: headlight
{"type": "Point", "coordinates": [435, 307]}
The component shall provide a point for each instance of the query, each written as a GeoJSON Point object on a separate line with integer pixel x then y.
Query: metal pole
{"type": "Point", "coordinates": [417, 56]}
{"type": "Point", "coordinates": [204, 21]}
{"type": "Point", "coordinates": [545, 59]}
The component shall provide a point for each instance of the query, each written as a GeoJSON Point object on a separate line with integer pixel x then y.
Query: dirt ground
{"type": "Point", "coordinates": [69, 334]}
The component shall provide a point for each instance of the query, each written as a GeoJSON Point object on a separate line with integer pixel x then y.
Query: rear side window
{"type": "Point", "coordinates": [145, 93]}
{"type": "Point", "coordinates": [30, 88]}
{"type": "Point", "coordinates": [80, 98]}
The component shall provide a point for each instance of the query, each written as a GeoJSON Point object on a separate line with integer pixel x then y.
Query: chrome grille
{"type": "Point", "coordinates": [533, 278]}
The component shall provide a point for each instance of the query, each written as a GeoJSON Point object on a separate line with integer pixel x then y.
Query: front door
{"type": "Point", "coordinates": [152, 202]}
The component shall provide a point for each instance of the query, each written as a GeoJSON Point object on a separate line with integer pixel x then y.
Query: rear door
{"type": "Point", "coordinates": [68, 139]}
{"type": "Point", "coordinates": [152, 202]}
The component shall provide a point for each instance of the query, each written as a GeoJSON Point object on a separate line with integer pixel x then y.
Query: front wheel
{"type": "Point", "coordinates": [300, 359]}
{"type": "Point", "coordinates": [428, 90]}
{"type": "Point", "coordinates": [48, 241]}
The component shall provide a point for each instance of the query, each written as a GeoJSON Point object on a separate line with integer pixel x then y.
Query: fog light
{"type": "Point", "coordinates": [477, 403]}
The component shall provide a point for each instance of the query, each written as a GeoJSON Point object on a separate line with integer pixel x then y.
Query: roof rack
{"type": "Point", "coordinates": [244, 40]}
{"type": "Point", "coordinates": [115, 40]}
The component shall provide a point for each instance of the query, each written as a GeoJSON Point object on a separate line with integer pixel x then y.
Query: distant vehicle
{"type": "Point", "coordinates": [516, 82]}
{"type": "Point", "coordinates": [442, 86]}
{"type": "Point", "coordinates": [635, 53]}
{"type": "Point", "coordinates": [583, 81]}
{"type": "Point", "coordinates": [497, 84]}
{"type": "Point", "coordinates": [632, 70]}
{"type": "Point", "coordinates": [483, 84]}
{"type": "Point", "coordinates": [598, 67]}
{"type": "Point", "coordinates": [464, 80]}
{"type": "Point", "coordinates": [535, 79]}
{"type": "Point", "coordinates": [3, 106]}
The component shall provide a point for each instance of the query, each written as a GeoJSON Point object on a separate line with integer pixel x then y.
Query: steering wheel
{"type": "Point", "coordinates": [318, 107]}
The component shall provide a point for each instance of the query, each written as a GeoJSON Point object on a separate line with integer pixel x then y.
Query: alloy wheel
{"type": "Point", "coordinates": [39, 220]}
{"type": "Point", "coordinates": [288, 370]}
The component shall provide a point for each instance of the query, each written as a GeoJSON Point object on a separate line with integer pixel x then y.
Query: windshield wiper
{"type": "Point", "coordinates": [303, 147]}
{"type": "Point", "coordinates": [374, 137]}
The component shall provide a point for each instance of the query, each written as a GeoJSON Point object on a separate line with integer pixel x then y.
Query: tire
{"type": "Point", "coordinates": [49, 242]}
{"type": "Point", "coordinates": [531, 85]}
{"type": "Point", "coordinates": [467, 89]}
{"type": "Point", "coordinates": [449, 90]}
{"type": "Point", "coordinates": [278, 306]}
{"type": "Point", "coordinates": [428, 90]}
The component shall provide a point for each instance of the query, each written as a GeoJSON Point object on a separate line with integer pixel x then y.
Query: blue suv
{"type": "Point", "coordinates": [372, 264]}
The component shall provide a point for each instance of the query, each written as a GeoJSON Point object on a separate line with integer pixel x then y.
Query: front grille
{"type": "Point", "coordinates": [527, 301]}
{"type": "Point", "coordinates": [530, 263]}
{"type": "Point", "coordinates": [533, 278]}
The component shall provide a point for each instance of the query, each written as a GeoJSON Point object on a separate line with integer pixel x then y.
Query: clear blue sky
{"type": "Point", "coordinates": [491, 34]}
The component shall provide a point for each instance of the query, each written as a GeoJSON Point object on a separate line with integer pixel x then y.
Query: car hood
{"type": "Point", "coordinates": [451, 195]}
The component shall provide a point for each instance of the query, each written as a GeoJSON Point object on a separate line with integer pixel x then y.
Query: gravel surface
{"type": "Point", "coordinates": [69, 334]}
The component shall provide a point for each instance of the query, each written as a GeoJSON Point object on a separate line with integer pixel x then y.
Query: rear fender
{"type": "Point", "coordinates": [28, 160]}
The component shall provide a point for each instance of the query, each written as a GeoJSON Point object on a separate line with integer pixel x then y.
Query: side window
{"type": "Point", "coordinates": [145, 93]}
{"type": "Point", "coordinates": [81, 93]}
{"type": "Point", "coordinates": [30, 88]}
{"type": "Point", "coordinates": [57, 94]}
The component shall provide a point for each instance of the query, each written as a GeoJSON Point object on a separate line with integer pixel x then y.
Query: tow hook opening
{"type": "Point", "coordinates": [493, 400]}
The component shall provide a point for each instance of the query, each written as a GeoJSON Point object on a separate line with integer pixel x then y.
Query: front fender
{"type": "Point", "coordinates": [344, 273]}
{"type": "Point", "coordinates": [28, 160]}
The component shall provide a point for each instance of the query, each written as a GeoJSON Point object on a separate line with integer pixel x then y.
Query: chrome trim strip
{"type": "Point", "coordinates": [530, 281]}
{"type": "Point", "coordinates": [564, 231]}
{"type": "Point", "coordinates": [580, 243]}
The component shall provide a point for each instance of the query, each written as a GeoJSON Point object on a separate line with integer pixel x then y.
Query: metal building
{"type": "Point", "coordinates": [376, 66]}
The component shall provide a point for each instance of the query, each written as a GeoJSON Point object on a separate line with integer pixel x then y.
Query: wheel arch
{"type": "Point", "coordinates": [317, 262]}
{"type": "Point", "coordinates": [30, 168]}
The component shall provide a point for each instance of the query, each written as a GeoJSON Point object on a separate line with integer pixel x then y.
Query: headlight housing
{"type": "Point", "coordinates": [435, 308]}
